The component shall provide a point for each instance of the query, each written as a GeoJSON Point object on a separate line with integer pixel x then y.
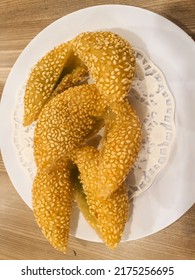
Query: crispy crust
{"type": "Point", "coordinates": [52, 195]}
{"type": "Point", "coordinates": [104, 170]}
{"type": "Point", "coordinates": [53, 73]}
{"type": "Point", "coordinates": [67, 115]}
{"type": "Point", "coordinates": [65, 122]}
{"type": "Point", "coordinates": [110, 61]}
{"type": "Point", "coordinates": [108, 217]}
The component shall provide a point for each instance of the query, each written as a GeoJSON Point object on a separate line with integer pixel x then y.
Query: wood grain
{"type": "Point", "coordinates": [20, 237]}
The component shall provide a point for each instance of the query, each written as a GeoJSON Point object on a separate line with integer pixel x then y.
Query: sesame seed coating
{"type": "Point", "coordinates": [52, 195]}
{"type": "Point", "coordinates": [78, 74]}
{"type": "Point", "coordinates": [110, 61]}
{"type": "Point", "coordinates": [108, 217]}
{"type": "Point", "coordinates": [55, 72]}
{"type": "Point", "coordinates": [67, 116]}
{"type": "Point", "coordinates": [104, 170]}
{"type": "Point", "coordinates": [42, 80]}
{"type": "Point", "coordinates": [65, 122]}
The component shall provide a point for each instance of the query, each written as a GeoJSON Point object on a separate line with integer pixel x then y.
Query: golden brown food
{"type": "Point", "coordinates": [53, 73]}
{"type": "Point", "coordinates": [78, 75]}
{"type": "Point", "coordinates": [110, 61]}
{"type": "Point", "coordinates": [108, 217]}
{"type": "Point", "coordinates": [68, 115]}
{"type": "Point", "coordinates": [107, 56]}
{"type": "Point", "coordinates": [65, 122]}
{"type": "Point", "coordinates": [103, 170]}
{"type": "Point", "coordinates": [52, 195]}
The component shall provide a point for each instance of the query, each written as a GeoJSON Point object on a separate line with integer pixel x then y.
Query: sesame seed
{"type": "Point", "coordinates": [116, 51]}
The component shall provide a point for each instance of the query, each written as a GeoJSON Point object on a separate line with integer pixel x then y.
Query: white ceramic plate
{"type": "Point", "coordinates": [173, 51]}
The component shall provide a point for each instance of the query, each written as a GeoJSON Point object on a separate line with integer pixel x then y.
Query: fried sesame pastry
{"type": "Point", "coordinates": [104, 169]}
{"type": "Point", "coordinates": [53, 73]}
{"type": "Point", "coordinates": [108, 217]}
{"type": "Point", "coordinates": [81, 201]}
{"type": "Point", "coordinates": [65, 122]}
{"type": "Point", "coordinates": [52, 196]}
{"type": "Point", "coordinates": [76, 77]}
{"type": "Point", "coordinates": [110, 61]}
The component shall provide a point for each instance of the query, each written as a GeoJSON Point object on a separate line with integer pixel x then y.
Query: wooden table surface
{"type": "Point", "coordinates": [20, 237]}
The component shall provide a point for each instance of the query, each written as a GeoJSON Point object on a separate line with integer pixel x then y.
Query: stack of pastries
{"type": "Point", "coordinates": [68, 112]}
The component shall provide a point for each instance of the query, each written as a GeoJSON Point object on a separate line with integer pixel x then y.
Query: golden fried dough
{"type": "Point", "coordinates": [108, 217]}
{"type": "Point", "coordinates": [52, 195]}
{"type": "Point", "coordinates": [103, 170]}
{"type": "Point", "coordinates": [68, 115]}
{"type": "Point", "coordinates": [110, 61]}
{"type": "Point", "coordinates": [46, 77]}
{"type": "Point", "coordinates": [74, 78]}
{"type": "Point", "coordinates": [65, 122]}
